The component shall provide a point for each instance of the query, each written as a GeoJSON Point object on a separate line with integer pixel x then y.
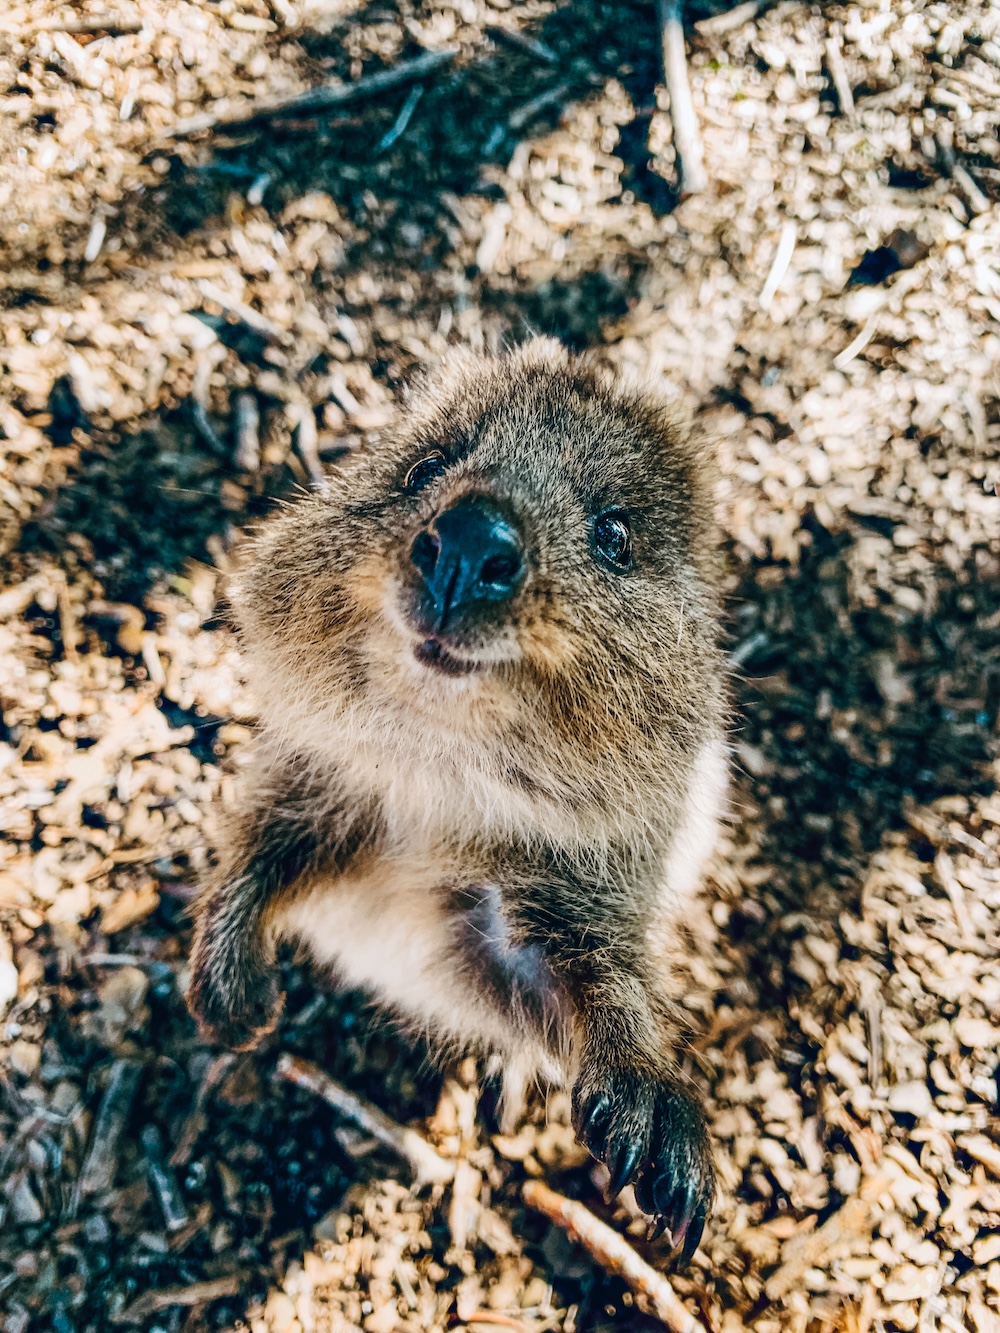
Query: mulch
{"type": "Point", "coordinates": [194, 327]}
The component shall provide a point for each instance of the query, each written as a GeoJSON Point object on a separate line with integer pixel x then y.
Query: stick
{"type": "Point", "coordinates": [523, 114]}
{"type": "Point", "coordinates": [731, 18]}
{"type": "Point", "coordinates": [838, 74]}
{"type": "Point", "coordinates": [246, 314]}
{"type": "Point", "coordinates": [614, 1253]}
{"type": "Point", "coordinates": [494, 1317]}
{"type": "Point", "coordinates": [779, 265]}
{"type": "Point", "coordinates": [163, 1180]}
{"type": "Point", "coordinates": [691, 177]}
{"type": "Point", "coordinates": [305, 437]}
{"type": "Point", "coordinates": [521, 41]}
{"type": "Point", "coordinates": [246, 427]}
{"type": "Point", "coordinates": [114, 25]}
{"type": "Point", "coordinates": [858, 344]}
{"type": "Point", "coordinates": [429, 1167]}
{"type": "Point", "coordinates": [322, 98]}
{"type": "Point", "coordinates": [974, 197]}
{"type": "Point", "coordinates": [199, 1293]}
{"type": "Point", "coordinates": [195, 1122]}
{"type": "Point", "coordinates": [402, 120]}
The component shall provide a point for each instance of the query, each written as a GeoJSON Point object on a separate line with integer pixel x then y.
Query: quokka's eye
{"type": "Point", "coordinates": [613, 538]}
{"type": "Point", "coordinates": [423, 473]}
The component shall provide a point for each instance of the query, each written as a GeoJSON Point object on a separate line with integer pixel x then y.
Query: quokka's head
{"type": "Point", "coordinates": [528, 553]}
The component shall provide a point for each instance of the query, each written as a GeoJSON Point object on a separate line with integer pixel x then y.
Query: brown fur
{"type": "Point", "coordinates": [520, 836]}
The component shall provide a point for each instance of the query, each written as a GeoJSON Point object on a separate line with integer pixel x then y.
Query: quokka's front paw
{"type": "Point", "coordinates": [650, 1132]}
{"type": "Point", "coordinates": [235, 1011]}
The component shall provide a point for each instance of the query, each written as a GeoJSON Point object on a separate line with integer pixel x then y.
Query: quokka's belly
{"type": "Point", "coordinates": [441, 958]}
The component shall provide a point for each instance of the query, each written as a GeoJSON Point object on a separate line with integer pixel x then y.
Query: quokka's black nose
{"type": "Point", "coordinates": [468, 557]}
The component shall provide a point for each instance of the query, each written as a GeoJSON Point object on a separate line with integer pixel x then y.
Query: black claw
{"type": "Point", "coordinates": [589, 1128]}
{"type": "Point", "coordinates": [623, 1167]}
{"type": "Point", "coordinates": [693, 1237]}
{"type": "Point", "coordinates": [682, 1206]}
{"type": "Point", "coordinates": [644, 1193]}
{"type": "Point", "coordinates": [665, 1192]}
{"type": "Point", "coordinates": [657, 1227]}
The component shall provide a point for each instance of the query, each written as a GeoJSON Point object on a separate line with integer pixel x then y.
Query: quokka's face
{"type": "Point", "coordinates": [531, 530]}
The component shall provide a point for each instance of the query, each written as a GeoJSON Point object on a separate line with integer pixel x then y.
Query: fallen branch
{"type": "Point", "coordinates": [691, 176]}
{"type": "Point", "coordinates": [429, 1167]}
{"type": "Point", "coordinates": [614, 1253]}
{"type": "Point", "coordinates": [325, 97]}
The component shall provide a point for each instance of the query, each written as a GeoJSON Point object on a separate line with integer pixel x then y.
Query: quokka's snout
{"type": "Point", "coordinates": [466, 567]}
{"type": "Point", "coordinates": [492, 747]}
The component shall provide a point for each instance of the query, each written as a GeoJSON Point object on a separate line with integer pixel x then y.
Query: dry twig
{"type": "Point", "coordinates": [305, 437]}
{"type": "Point", "coordinates": [974, 197]}
{"type": "Point", "coordinates": [162, 1180]}
{"type": "Point", "coordinates": [522, 41]}
{"type": "Point", "coordinates": [730, 18]}
{"type": "Point", "coordinates": [691, 177]}
{"type": "Point", "coordinates": [614, 1253]}
{"type": "Point", "coordinates": [523, 115]}
{"type": "Point", "coordinates": [325, 97]}
{"type": "Point", "coordinates": [246, 314]}
{"type": "Point", "coordinates": [779, 265]}
{"type": "Point", "coordinates": [110, 25]}
{"type": "Point", "coordinates": [398, 128]}
{"type": "Point", "coordinates": [246, 428]}
{"type": "Point", "coordinates": [429, 1167]}
{"type": "Point", "coordinates": [838, 74]}
{"type": "Point", "coordinates": [195, 1122]}
{"type": "Point", "coordinates": [199, 1293]}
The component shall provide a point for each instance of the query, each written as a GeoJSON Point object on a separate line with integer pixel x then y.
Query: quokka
{"type": "Point", "coordinates": [492, 748]}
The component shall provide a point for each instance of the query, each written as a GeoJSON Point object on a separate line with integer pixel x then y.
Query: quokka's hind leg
{"type": "Point", "coordinates": [234, 992]}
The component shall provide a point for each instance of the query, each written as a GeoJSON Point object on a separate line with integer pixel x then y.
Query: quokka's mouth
{"type": "Point", "coordinates": [431, 652]}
